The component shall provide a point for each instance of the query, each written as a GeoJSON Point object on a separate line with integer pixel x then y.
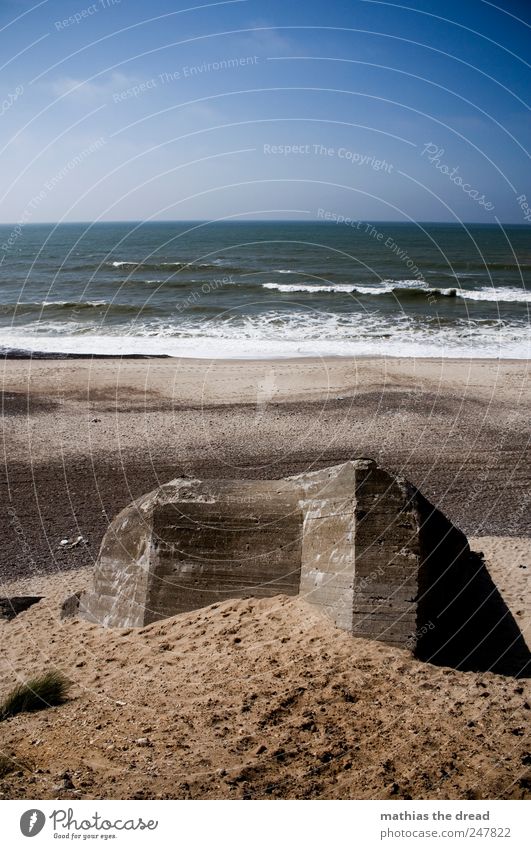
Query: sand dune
{"type": "Point", "coordinates": [259, 699]}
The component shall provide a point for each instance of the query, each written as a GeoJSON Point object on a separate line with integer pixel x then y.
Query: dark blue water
{"type": "Point", "coordinates": [259, 289]}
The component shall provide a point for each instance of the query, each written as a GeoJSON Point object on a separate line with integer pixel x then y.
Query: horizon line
{"type": "Point", "coordinates": [264, 221]}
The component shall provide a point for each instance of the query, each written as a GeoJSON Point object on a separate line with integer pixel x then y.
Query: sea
{"type": "Point", "coordinates": [254, 289]}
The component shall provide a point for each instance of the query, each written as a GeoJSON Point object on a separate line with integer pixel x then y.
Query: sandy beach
{"type": "Point", "coordinates": [256, 699]}
{"type": "Point", "coordinates": [83, 438]}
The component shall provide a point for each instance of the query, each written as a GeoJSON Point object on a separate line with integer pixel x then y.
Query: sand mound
{"type": "Point", "coordinates": [253, 699]}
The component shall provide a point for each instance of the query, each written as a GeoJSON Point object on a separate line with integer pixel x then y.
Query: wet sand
{"type": "Point", "coordinates": [82, 438]}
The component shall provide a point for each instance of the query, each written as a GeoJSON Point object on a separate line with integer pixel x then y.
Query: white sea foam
{"type": "Point", "coordinates": [44, 304]}
{"type": "Point", "coordinates": [288, 288]}
{"type": "Point", "coordinates": [501, 294]}
{"type": "Point", "coordinates": [387, 287]}
{"type": "Point", "coordinates": [154, 262]}
{"type": "Point", "coordinates": [281, 335]}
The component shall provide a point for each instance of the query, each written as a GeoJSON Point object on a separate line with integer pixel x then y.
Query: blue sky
{"type": "Point", "coordinates": [371, 110]}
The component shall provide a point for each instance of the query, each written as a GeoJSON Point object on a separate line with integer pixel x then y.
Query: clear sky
{"type": "Point", "coordinates": [127, 110]}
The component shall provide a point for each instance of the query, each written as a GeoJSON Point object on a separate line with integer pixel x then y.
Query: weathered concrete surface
{"type": "Point", "coordinates": [356, 541]}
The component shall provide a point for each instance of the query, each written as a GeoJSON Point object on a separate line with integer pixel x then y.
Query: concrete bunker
{"type": "Point", "coordinates": [358, 542]}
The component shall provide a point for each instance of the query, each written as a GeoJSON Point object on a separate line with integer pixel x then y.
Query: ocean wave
{"type": "Point", "coordinates": [69, 307]}
{"type": "Point", "coordinates": [309, 288]}
{"type": "Point", "coordinates": [405, 289]}
{"type": "Point", "coordinates": [470, 269]}
{"type": "Point", "coordinates": [69, 304]}
{"type": "Point", "coordinates": [489, 293]}
{"type": "Point", "coordinates": [387, 288]}
{"type": "Point", "coordinates": [37, 305]}
{"type": "Point", "coordinates": [508, 266]}
{"type": "Point", "coordinates": [214, 265]}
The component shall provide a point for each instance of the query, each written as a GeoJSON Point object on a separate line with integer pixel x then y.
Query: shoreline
{"type": "Point", "coordinates": [21, 354]}
{"type": "Point", "coordinates": [17, 354]}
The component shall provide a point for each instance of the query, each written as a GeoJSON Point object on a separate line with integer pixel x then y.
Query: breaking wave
{"type": "Point", "coordinates": [404, 289]}
{"type": "Point", "coordinates": [131, 265]}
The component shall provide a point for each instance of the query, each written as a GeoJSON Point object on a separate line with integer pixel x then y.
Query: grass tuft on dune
{"type": "Point", "coordinates": [44, 691]}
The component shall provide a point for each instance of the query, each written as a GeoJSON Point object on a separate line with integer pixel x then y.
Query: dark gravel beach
{"type": "Point", "coordinates": [83, 440]}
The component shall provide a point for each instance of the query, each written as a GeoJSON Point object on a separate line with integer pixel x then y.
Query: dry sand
{"type": "Point", "coordinates": [260, 699]}
{"type": "Point", "coordinates": [254, 699]}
